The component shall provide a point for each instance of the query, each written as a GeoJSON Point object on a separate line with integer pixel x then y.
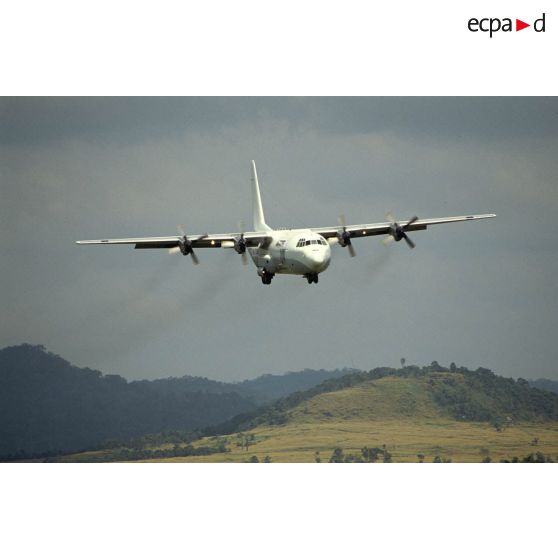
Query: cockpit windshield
{"type": "Point", "coordinates": [304, 242]}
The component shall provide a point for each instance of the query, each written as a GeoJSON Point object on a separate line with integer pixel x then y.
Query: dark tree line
{"type": "Point", "coordinates": [366, 455]}
{"type": "Point", "coordinates": [50, 406]}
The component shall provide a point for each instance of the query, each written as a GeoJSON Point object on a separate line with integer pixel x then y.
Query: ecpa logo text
{"type": "Point", "coordinates": [494, 24]}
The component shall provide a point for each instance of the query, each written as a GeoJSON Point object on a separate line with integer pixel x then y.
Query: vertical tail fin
{"type": "Point", "coordinates": [257, 210]}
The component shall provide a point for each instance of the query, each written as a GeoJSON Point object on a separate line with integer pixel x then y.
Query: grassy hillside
{"type": "Point", "coordinates": [385, 399]}
{"type": "Point", "coordinates": [404, 414]}
{"type": "Point", "coordinates": [405, 440]}
{"type": "Point", "coordinates": [464, 395]}
{"type": "Point", "coordinates": [49, 406]}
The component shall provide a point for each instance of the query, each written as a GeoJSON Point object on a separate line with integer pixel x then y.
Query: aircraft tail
{"type": "Point", "coordinates": [257, 209]}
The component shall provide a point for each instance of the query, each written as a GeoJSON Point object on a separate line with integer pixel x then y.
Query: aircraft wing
{"type": "Point", "coordinates": [383, 228]}
{"type": "Point", "coordinates": [198, 240]}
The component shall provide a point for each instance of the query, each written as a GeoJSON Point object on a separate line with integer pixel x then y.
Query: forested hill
{"type": "Point", "coordinates": [456, 393]}
{"type": "Point", "coordinates": [48, 405]}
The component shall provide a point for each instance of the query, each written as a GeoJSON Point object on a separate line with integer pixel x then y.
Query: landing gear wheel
{"type": "Point", "coordinates": [267, 277]}
{"type": "Point", "coordinates": [312, 278]}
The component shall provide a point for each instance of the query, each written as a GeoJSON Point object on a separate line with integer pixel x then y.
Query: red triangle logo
{"type": "Point", "coordinates": [519, 25]}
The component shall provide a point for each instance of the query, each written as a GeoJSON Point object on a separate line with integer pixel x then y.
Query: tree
{"type": "Point", "coordinates": [338, 456]}
{"type": "Point", "coordinates": [267, 459]}
{"type": "Point", "coordinates": [537, 458]}
{"type": "Point", "coordinates": [317, 457]}
{"type": "Point", "coordinates": [435, 366]}
{"type": "Point", "coordinates": [370, 455]}
{"type": "Point", "coordinates": [254, 459]}
{"type": "Point", "coordinates": [496, 424]}
{"type": "Point", "coordinates": [421, 457]}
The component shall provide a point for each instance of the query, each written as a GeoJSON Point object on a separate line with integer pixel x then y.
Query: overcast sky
{"type": "Point", "coordinates": [478, 294]}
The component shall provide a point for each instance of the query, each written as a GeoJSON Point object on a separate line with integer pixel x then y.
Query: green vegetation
{"type": "Point", "coordinates": [369, 422]}
{"type": "Point", "coordinates": [396, 416]}
{"type": "Point", "coordinates": [50, 406]}
{"type": "Point", "coordinates": [459, 393]}
{"type": "Point", "coordinates": [367, 455]}
{"type": "Point", "coordinates": [531, 458]}
{"type": "Point", "coordinates": [438, 459]}
{"type": "Point", "coordinates": [430, 414]}
{"type": "Point", "coordinates": [128, 454]}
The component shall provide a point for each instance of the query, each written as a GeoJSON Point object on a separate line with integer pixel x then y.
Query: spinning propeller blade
{"type": "Point", "coordinates": [184, 246]}
{"type": "Point", "coordinates": [344, 236]}
{"type": "Point", "coordinates": [397, 232]}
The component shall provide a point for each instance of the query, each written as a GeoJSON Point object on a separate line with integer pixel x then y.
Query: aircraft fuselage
{"type": "Point", "coordinates": [294, 252]}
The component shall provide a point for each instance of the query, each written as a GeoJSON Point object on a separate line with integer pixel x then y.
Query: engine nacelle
{"type": "Point", "coordinates": [240, 245]}
{"type": "Point", "coordinates": [397, 232]}
{"type": "Point", "coordinates": [185, 246]}
{"type": "Point", "coordinates": [344, 238]}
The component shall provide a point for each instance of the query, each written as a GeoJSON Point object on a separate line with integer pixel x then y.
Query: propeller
{"type": "Point", "coordinates": [397, 232]}
{"type": "Point", "coordinates": [344, 236]}
{"type": "Point", "coordinates": [240, 243]}
{"type": "Point", "coordinates": [185, 246]}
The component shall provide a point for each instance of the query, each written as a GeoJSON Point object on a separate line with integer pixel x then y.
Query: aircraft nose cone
{"type": "Point", "coordinates": [318, 260]}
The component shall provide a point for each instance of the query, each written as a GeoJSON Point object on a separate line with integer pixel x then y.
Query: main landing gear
{"type": "Point", "coordinates": [267, 277]}
{"type": "Point", "coordinates": [311, 278]}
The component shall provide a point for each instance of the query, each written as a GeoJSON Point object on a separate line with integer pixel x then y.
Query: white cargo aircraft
{"type": "Point", "coordinates": [303, 252]}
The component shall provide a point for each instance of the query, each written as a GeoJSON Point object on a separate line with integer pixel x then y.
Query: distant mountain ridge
{"type": "Point", "coordinates": [49, 405]}
{"type": "Point", "coordinates": [269, 387]}
{"type": "Point", "coordinates": [260, 390]}
{"type": "Point", "coordinates": [548, 385]}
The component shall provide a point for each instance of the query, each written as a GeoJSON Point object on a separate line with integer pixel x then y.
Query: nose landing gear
{"type": "Point", "coordinates": [266, 276]}
{"type": "Point", "coordinates": [311, 278]}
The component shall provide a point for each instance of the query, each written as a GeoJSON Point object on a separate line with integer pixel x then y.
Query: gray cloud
{"type": "Point", "coordinates": [477, 294]}
{"type": "Point", "coordinates": [131, 120]}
